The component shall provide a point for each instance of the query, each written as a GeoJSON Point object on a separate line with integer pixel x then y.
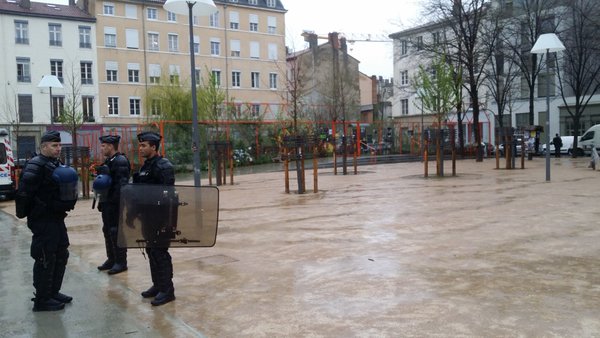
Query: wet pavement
{"type": "Point", "coordinates": [385, 253]}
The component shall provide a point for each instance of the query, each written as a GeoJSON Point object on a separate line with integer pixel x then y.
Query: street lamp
{"type": "Point", "coordinates": [545, 44]}
{"type": "Point", "coordinates": [193, 8]}
{"type": "Point", "coordinates": [49, 81]}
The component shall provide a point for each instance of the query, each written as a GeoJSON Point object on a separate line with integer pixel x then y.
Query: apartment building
{"type": "Point", "coordinates": [140, 44]}
{"type": "Point", "coordinates": [327, 79]}
{"type": "Point", "coordinates": [409, 54]}
{"type": "Point", "coordinates": [40, 39]}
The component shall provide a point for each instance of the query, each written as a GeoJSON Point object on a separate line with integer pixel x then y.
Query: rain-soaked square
{"type": "Point", "coordinates": [384, 253]}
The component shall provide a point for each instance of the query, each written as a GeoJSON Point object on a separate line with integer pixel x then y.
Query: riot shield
{"type": "Point", "coordinates": [167, 216]}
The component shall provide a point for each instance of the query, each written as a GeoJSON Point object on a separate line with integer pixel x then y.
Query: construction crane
{"type": "Point", "coordinates": [350, 37]}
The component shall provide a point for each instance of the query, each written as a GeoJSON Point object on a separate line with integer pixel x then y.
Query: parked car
{"type": "Point", "coordinates": [518, 148]}
{"type": "Point", "coordinates": [591, 138]}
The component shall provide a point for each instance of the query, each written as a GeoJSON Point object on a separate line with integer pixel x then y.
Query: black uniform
{"type": "Point", "coordinates": [38, 198]}
{"type": "Point", "coordinates": [157, 170]}
{"type": "Point", "coordinates": [118, 168]}
{"type": "Point", "coordinates": [557, 141]}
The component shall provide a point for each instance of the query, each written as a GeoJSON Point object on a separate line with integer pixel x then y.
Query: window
{"type": "Point", "coordinates": [196, 44]}
{"type": "Point", "coordinates": [58, 107]}
{"type": "Point", "coordinates": [21, 32]}
{"type": "Point", "coordinates": [113, 106]}
{"type": "Point", "coordinates": [135, 106]}
{"type": "Point", "coordinates": [133, 72]}
{"type": "Point", "coordinates": [153, 41]}
{"type": "Point", "coordinates": [131, 11]}
{"type": "Point", "coordinates": [85, 37]}
{"type": "Point", "coordinates": [271, 25]}
{"type": "Point", "coordinates": [173, 42]}
{"type": "Point", "coordinates": [108, 8]}
{"type": "Point", "coordinates": [25, 108]}
{"type": "Point", "coordinates": [253, 2]}
{"type": "Point", "coordinates": [253, 23]}
{"type": "Point", "coordinates": [419, 42]}
{"type": "Point", "coordinates": [234, 20]}
{"type": "Point", "coordinates": [216, 75]}
{"type": "Point", "coordinates": [155, 107]}
{"type": "Point", "coordinates": [152, 13]}
{"type": "Point", "coordinates": [542, 80]}
{"type": "Point", "coordinates": [404, 106]}
{"type": "Point", "coordinates": [215, 47]}
{"type": "Point", "coordinates": [254, 49]}
{"type": "Point", "coordinates": [154, 73]}
{"type": "Point", "coordinates": [522, 119]}
{"type": "Point", "coordinates": [87, 105]}
{"type": "Point", "coordinates": [254, 79]}
{"type": "Point", "coordinates": [172, 17]}
{"type": "Point", "coordinates": [436, 37]}
{"type": "Point", "coordinates": [403, 47]}
{"type": "Point", "coordinates": [255, 110]}
{"type": "Point", "coordinates": [404, 78]}
{"type": "Point", "coordinates": [55, 31]}
{"type": "Point", "coordinates": [23, 69]}
{"type": "Point", "coordinates": [110, 37]}
{"type": "Point", "coordinates": [213, 20]}
{"type": "Point", "coordinates": [235, 78]}
{"type": "Point", "coordinates": [273, 80]}
{"type": "Point", "coordinates": [271, 3]}
{"type": "Point", "coordinates": [112, 70]}
{"type": "Point", "coordinates": [235, 48]}
{"type": "Point", "coordinates": [272, 51]}
{"type": "Point", "coordinates": [198, 76]}
{"type": "Point", "coordinates": [86, 72]}
{"type": "Point", "coordinates": [56, 69]}
{"type": "Point", "coordinates": [174, 71]}
{"type": "Point", "coordinates": [132, 39]}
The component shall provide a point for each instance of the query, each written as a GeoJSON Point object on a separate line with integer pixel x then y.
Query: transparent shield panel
{"type": "Point", "coordinates": [168, 216]}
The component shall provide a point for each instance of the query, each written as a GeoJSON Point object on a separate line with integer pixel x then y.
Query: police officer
{"type": "Point", "coordinates": [46, 192]}
{"type": "Point", "coordinates": [117, 167]}
{"type": "Point", "coordinates": [156, 170]}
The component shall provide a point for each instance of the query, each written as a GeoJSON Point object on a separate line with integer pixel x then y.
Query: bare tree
{"type": "Point", "coordinates": [524, 24]}
{"type": "Point", "coordinates": [581, 59]}
{"type": "Point", "coordinates": [71, 115]}
{"type": "Point", "coordinates": [464, 25]}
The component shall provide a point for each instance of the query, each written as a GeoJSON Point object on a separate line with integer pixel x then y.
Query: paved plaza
{"type": "Point", "coordinates": [385, 253]}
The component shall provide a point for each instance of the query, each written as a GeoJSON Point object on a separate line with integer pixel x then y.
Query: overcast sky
{"type": "Point", "coordinates": [378, 18]}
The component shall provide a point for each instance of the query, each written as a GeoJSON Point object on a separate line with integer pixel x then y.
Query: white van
{"type": "Point", "coordinates": [590, 138]}
{"type": "Point", "coordinates": [7, 167]}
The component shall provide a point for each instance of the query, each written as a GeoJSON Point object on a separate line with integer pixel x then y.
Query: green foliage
{"type": "Point", "coordinates": [437, 88]}
{"type": "Point", "coordinates": [173, 98]}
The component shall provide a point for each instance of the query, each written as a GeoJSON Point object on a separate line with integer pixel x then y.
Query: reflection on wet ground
{"type": "Point", "coordinates": [385, 253]}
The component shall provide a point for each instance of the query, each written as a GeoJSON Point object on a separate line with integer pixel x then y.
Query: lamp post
{"type": "Point", "coordinates": [193, 8]}
{"type": "Point", "coordinates": [545, 44]}
{"type": "Point", "coordinates": [49, 81]}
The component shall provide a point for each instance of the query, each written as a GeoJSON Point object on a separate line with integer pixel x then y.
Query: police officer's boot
{"type": "Point", "coordinates": [119, 254]}
{"type": "Point", "coordinates": [153, 290]}
{"type": "Point", "coordinates": [43, 271]}
{"type": "Point", "coordinates": [109, 253]}
{"type": "Point", "coordinates": [59, 272]}
{"type": "Point", "coordinates": [164, 297]}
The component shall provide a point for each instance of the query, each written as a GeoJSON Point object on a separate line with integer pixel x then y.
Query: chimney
{"type": "Point", "coordinates": [344, 46]}
{"type": "Point", "coordinates": [25, 4]}
{"type": "Point", "coordinates": [334, 40]}
{"type": "Point", "coordinates": [311, 38]}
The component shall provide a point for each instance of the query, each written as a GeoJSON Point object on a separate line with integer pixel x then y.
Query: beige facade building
{"type": "Point", "coordinates": [140, 44]}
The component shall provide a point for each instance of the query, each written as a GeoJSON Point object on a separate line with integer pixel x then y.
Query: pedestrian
{"type": "Point", "coordinates": [557, 141]}
{"type": "Point", "coordinates": [156, 170]}
{"type": "Point", "coordinates": [117, 167]}
{"type": "Point", "coordinates": [47, 190]}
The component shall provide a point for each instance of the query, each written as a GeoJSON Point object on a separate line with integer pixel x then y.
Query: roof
{"type": "Point", "coordinates": [45, 10]}
{"type": "Point", "coordinates": [259, 3]}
